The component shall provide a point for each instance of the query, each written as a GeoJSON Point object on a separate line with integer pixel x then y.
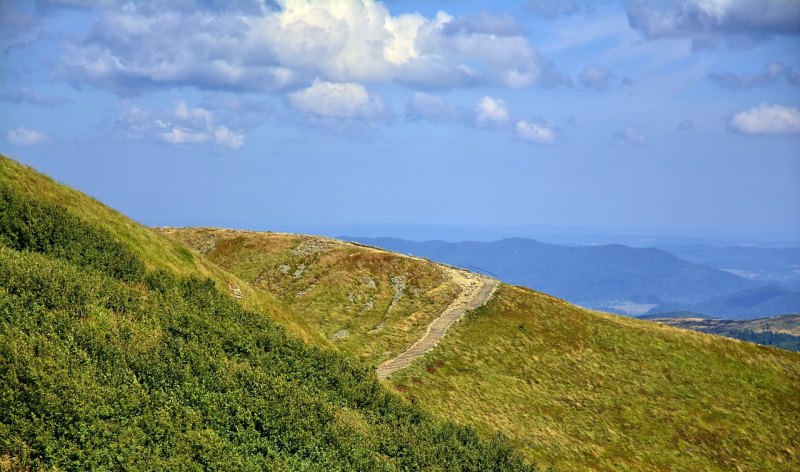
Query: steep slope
{"type": "Point", "coordinates": [601, 277]}
{"type": "Point", "coordinates": [154, 250]}
{"type": "Point", "coordinates": [572, 387]}
{"type": "Point", "coordinates": [370, 303]}
{"type": "Point", "coordinates": [106, 363]}
{"type": "Point", "coordinates": [581, 389]}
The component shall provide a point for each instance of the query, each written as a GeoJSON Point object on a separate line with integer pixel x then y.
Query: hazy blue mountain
{"type": "Point", "coordinates": [746, 304]}
{"type": "Point", "coordinates": [612, 277]}
{"type": "Point", "coordinates": [765, 265]}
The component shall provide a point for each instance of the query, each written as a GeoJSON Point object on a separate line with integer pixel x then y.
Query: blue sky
{"type": "Point", "coordinates": [297, 115]}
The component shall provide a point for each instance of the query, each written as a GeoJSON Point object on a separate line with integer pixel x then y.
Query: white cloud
{"type": "Point", "coordinates": [766, 119]}
{"type": "Point", "coordinates": [136, 47]}
{"type": "Point", "coordinates": [226, 137]}
{"type": "Point", "coordinates": [595, 77]}
{"type": "Point", "coordinates": [491, 112]}
{"type": "Point", "coordinates": [177, 135]}
{"type": "Point", "coordinates": [179, 125]}
{"type": "Point", "coordinates": [629, 136]}
{"type": "Point", "coordinates": [536, 133]}
{"type": "Point", "coordinates": [338, 100]}
{"type": "Point", "coordinates": [22, 136]}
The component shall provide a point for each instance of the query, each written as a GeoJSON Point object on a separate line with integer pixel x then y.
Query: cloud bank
{"type": "Point", "coordinates": [143, 46]}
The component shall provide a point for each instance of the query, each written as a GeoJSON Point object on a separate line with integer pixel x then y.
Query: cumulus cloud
{"type": "Point", "coordinates": [179, 125]}
{"type": "Point", "coordinates": [773, 72]}
{"type": "Point", "coordinates": [705, 20]}
{"type": "Point", "coordinates": [143, 46]}
{"type": "Point", "coordinates": [22, 136]}
{"type": "Point", "coordinates": [491, 112]}
{"type": "Point", "coordinates": [629, 136]}
{"type": "Point", "coordinates": [338, 100]}
{"type": "Point", "coordinates": [595, 77]}
{"type": "Point", "coordinates": [535, 132]}
{"type": "Point", "coordinates": [685, 125]}
{"type": "Point", "coordinates": [32, 97]}
{"type": "Point", "coordinates": [766, 119]}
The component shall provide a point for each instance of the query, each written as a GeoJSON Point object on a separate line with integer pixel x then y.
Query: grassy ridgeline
{"type": "Point", "coordinates": [113, 367]}
{"type": "Point", "coordinates": [587, 390]}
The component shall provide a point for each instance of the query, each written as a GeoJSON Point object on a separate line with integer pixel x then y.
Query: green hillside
{"type": "Point", "coordinates": [122, 346]}
{"type": "Point", "coordinates": [369, 303]}
{"type": "Point", "coordinates": [573, 388]}
{"type": "Point", "coordinates": [154, 250]}
{"type": "Point", "coordinates": [582, 389]}
{"type": "Point", "coordinates": [780, 331]}
{"type": "Point", "coordinates": [114, 356]}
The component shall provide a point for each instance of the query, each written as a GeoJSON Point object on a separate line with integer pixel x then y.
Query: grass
{"type": "Point", "coordinates": [572, 388]}
{"type": "Point", "coordinates": [156, 251]}
{"type": "Point", "coordinates": [369, 303]}
{"type": "Point", "coordinates": [579, 389]}
{"type": "Point", "coordinates": [108, 365]}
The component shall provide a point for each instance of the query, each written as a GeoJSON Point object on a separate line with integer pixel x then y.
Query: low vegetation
{"type": "Point", "coordinates": [369, 303]}
{"type": "Point", "coordinates": [115, 367]}
{"type": "Point", "coordinates": [121, 348]}
{"type": "Point", "coordinates": [779, 331]}
{"type": "Point", "coordinates": [579, 389]}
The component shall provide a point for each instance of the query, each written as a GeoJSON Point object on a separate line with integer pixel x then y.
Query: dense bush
{"type": "Point", "coordinates": [108, 368]}
{"type": "Point", "coordinates": [28, 224]}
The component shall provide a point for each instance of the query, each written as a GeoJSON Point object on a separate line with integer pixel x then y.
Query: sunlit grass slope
{"type": "Point", "coordinates": [369, 303]}
{"type": "Point", "coordinates": [580, 389]}
{"type": "Point", "coordinates": [111, 363]}
{"type": "Point", "coordinates": [155, 250]}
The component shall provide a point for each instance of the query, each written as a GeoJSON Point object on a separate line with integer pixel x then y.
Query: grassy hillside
{"type": "Point", "coordinates": [779, 331]}
{"type": "Point", "coordinates": [109, 363]}
{"type": "Point", "coordinates": [156, 363]}
{"type": "Point", "coordinates": [156, 251]}
{"type": "Point", "coordinates": [581, 389]}
{"type": "Point", "coordinates": [369, 303]}
{"type": "Point", "coordinates": [573, 388]}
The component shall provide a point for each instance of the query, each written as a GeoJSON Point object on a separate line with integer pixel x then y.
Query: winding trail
{"type": "Point", "coordinates": [476, 291]}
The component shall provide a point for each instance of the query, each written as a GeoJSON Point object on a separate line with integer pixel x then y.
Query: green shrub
{"type": "Point", "coordinates": [105, 367]}
{"type": "Point", "coordinates": [30, 225]}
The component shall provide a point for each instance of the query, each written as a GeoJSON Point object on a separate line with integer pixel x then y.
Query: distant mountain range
{"type": "Point", "coordinates": [780, 266]}
{"type": "Point", "coordinates": [624, 279]}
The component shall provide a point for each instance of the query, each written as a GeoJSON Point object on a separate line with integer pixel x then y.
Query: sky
{"type": "Point", "coordinates": [678, 117]}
